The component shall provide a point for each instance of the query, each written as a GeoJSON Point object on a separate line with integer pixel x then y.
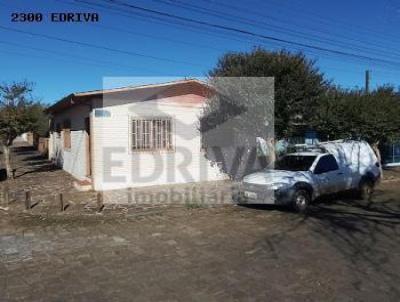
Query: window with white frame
{"type": "Point", "coordinates": [152, 134]}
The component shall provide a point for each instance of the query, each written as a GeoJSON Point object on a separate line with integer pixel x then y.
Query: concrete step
{"type": "Point", "coordinates": [83, 185]}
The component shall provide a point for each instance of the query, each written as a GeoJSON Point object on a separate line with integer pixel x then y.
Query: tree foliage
{"type": "Point", "coordinates": [19, 113]}
{"type": "Point", "coordinates": [237, 112]}
{"type": "Point", "coordinates": [298, 82]}
{"type": "Point", "coordinates": [373, 117]}
{"type": "Point", "coordinates": [249, 105]}
{"type": "Point", "coordinates": [303, 100]}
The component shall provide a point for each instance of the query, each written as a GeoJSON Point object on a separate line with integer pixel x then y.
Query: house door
{"type": "Point", "coordinates": [88, 148]}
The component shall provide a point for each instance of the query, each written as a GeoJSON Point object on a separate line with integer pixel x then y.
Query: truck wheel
{"type": "Point", "coordinates": [301, 200]}
{"type": "Point", "coordinates": [366, 190]}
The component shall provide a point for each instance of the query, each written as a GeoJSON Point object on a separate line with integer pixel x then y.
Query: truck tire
{"type": "Point", "coordinates": [301, 200]}
{"type": "Point", "coordinates": [366, 189]}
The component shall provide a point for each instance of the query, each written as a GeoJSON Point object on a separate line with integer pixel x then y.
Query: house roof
{"type": "Point", "coordinates": [150, 91]}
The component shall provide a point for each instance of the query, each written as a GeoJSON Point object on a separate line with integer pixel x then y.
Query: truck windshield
{"type": "Point", "coordinates": [295, 162]}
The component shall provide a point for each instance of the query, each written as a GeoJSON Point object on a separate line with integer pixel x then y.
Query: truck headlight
{"type": "Point", "coordinates": [278, 186]}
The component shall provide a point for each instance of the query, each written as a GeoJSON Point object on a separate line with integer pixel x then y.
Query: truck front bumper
{"type": "Point", "coordinates": [258, 194]}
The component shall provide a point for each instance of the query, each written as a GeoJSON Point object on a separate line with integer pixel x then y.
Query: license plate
{"type": "Point", "coordinates": [251, 195]}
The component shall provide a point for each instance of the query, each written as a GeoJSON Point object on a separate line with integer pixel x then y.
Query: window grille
{"type": "Point", "coordinates": [152, 134]}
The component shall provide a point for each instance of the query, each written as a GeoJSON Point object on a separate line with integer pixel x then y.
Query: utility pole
{"type": "Point", "coordinates": [367, 80]}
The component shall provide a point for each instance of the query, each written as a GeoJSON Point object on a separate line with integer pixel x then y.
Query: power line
{"type": "Point", "coordinates": [136, 33]}
{"type": "Point", "coordinates": [307, 51]}
{"type": "Point", "coordinates": [23, 54]}
{"type": "Point", "coordinates": [312, 52]}
{"type": "Point", "coordinates": [80, 43]}
{"type": "Point", "coordinates": [141, 33]}
{"type": "Point", "coordinates": [309, 15]}
{"type": "Point", "coordinates": [97, 46]}
{"type": "Point", "coordinates": [189, 27]}
{"type": "Point", "coordinates": [114, 9]}
{"type": "Point", "coordinates": [144, 18]}
{"type": "Point", "coordinates": [158, 20]}
{"type": "Point", "coordinates": [248, 33]}
{"type": "Point", "coordinates": [102, 63]}
{"type": "Point", "coordinates": [361, 27]}
{"type": "Point", "coordinates": [64, 54]}
{"type": "Point", "coordinates": [291, 32]}
{"type": "Point", "coordinates": [119, 12]}
{"type": "Point", "coordinates": [116, 29]}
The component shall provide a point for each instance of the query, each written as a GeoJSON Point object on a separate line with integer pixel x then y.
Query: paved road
{"type": "Point", "coordinates": [342, 251]}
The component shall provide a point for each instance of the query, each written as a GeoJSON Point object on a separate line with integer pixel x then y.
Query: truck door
{"type": "Point", "coordinates": [329, 177]}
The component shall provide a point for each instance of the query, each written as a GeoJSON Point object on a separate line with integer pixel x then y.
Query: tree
{"type": "Point", "coordinates": [298, 82]}
{"type": "Point", "coordinates": [236, 113]}
{"type": "Point", "coordinates": [19, 113]}
{"type": "Point", "coordinates": [373, 117]}
{"type": "Point", "coordinates": [248, 105]}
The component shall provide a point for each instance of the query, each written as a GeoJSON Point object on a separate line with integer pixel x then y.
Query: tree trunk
{"type": "Point", "coordinates": [7, 161]}
{"type": "Point", "coordinates": [375, 147]}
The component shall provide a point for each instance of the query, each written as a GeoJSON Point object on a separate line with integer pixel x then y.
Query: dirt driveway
{"type": "Point", "coordinates": [342, 251]}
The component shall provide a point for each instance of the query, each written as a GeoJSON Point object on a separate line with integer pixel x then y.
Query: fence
{"type": "Point", "coordinates": [391, 154]}
{"type": "Point", "coordinates": [43, 145]}
{"type": "Point", "coordinates": [32, 139]}
{"type": "Point", "coordinates": [29, 201]}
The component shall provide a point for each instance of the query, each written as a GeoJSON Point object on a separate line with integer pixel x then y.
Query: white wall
{"type": "Point", "coordinates": [22, 138]}
{"type": "Point", "coordinates": [73, 160]}
{"type": "Point", "coordinates": [135, 168]}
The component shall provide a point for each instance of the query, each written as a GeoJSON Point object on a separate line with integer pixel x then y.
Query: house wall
{"type": "Point", "coordinates": [22, 138]}
{"type": "Point", "coordinates": [112, 142]}
{"type": "Point", "coordinates": [71, 160]}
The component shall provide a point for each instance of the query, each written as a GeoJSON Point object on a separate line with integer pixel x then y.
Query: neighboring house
{"type": "Point", "coordinates": [22, 138]}
{"type": "Point", "coordinates": [27, 137]}
{"type": "Point", "coordinates": [132, 136]}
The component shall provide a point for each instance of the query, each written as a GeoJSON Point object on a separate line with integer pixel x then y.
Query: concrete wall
{"type": "Point", "coordinates": [71, 160]}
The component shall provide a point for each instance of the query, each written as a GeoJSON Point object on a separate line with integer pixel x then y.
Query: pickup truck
{"type": "Point", "coordinates": [299, 178]}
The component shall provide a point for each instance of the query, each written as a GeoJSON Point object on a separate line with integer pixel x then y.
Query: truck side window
{"type": "Point", "coordinates": [326, 164]}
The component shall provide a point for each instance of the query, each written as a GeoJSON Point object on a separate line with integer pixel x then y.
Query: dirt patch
{"type": "Point", "coordinates": [343, 248]}
{"type": "Point", "coordinates": [391, 174]}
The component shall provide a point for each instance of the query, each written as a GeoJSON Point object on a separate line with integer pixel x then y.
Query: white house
{"type": "Point", "coordinates": [132, 136]}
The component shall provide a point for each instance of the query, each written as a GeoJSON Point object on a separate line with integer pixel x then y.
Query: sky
{"type": "Point", "coordinates": [345, 37]}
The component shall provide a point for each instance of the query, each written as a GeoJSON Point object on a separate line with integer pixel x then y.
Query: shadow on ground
{"type": "Point", "coordinates": [395, 170]}
{"type": "Point", "coordinates": [36, 163]}
{"type": "Point", "coordinates": [365, 234]}
{"type": "Point", "coordinates": [21, 150]}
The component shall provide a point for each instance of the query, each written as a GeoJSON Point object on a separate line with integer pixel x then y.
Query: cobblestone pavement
{"type": "Point", "coordinates": [344, 250]}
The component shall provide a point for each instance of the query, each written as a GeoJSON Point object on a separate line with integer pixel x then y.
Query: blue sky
{"type": "Point", "coordinates": [144, 47]}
